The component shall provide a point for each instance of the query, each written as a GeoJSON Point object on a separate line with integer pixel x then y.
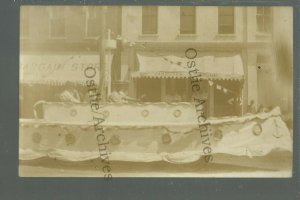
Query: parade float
{"type": "Point", "coordinates": [147, 132]}
{"type": "Point", "coordinates": [136, 132]}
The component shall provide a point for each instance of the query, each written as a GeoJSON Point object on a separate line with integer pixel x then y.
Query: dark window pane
{"type": "Point", "coordinates": [267, 24]}
{"type": "Point", "coordinates": [264, 19]}
{"type": "Point", "coordinates": [260, 23]}
{"type": "Point", "coordinates": [267, 10]}
{"type": "Point", "coordinates": [187, 20]}
{"type": "Point", "coordinates": [187, 10]}
{"type": "Point", "coordinates": [226, 20]}
{"type": "Point", "coordinates": [228, 10]}
{"type": "Point", "coordinates": [259, 10]}
{"type": "Point", "coordinates": [149, 20]}
{"type": "Point", "coordinates": [226, 29]}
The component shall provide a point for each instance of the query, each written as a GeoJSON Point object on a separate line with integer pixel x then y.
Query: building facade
{"type": "Point", "coordinates": [152, 32]}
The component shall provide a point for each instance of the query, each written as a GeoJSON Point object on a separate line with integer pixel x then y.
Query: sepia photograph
{"type": "Point", "coordinates": [156, 91]}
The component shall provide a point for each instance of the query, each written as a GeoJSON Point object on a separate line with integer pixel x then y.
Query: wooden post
{"type": "Point", "coordinates": [102, 71]}
{"type": "Point", "coordinates": [109, 62]}
{"type": "Point", "coordinates": [245, 62]}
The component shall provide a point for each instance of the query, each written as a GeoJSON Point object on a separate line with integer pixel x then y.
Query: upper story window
{"type": "Point", "coordinates": [93, 21]}
{"type": "Point", "coordinates": [226, 20]}
{"type": "Point", "coordinates": [24, 22]}
{"type": "Point", "coordinates": [149, 19]}
{"type": "Point", "coordinates": [187, 20]}
{"type": "Point", "coordinates": [57, 22]}
{"type": "Point", "coordinates": [263, 19]}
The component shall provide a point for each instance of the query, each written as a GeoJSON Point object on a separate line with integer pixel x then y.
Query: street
{"type": "Point", "coordinates": [222, 166]}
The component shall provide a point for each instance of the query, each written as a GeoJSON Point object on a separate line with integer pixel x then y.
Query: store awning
{"type": "Point", "coordinates": [210, 67]}
{"type": "Point", "coordinates": [56, 69]}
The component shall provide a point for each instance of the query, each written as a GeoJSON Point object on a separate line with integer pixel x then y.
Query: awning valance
{"type": "Point", "coordinates": [56, 69]}
{"type": "Point", "coordinates": [210, 67]}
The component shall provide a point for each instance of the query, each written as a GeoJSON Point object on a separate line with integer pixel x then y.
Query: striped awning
{"type": "Point", "coordinates": [210, 67]}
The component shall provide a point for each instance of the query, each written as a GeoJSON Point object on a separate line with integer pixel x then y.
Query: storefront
{"type": "Point", "coordinates": [166, 78]}
{"type": "Point", "coordinates": [44, 77]}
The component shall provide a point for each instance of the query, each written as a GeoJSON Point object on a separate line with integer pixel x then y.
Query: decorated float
{"type": "Point", "coordinates": [139, 132]}
{"type": "Point", "coordinates": [147, 132]}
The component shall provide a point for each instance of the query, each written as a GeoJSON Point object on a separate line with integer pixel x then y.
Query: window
{"type": "Point", "coordinates": [149, 20]}
{"type": "Point", "coordinates": [188, 20]}
{"type": "Point", "coordinates": [57, 22]}
{"type": "Point", "coordinates": [226, 20]}
{"type": "Point", "coordinates": [263, 19]}
{"type": "Point", "coordinates": [24, 22]}
{"type": "Point", "coordinates": [93, 22]}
